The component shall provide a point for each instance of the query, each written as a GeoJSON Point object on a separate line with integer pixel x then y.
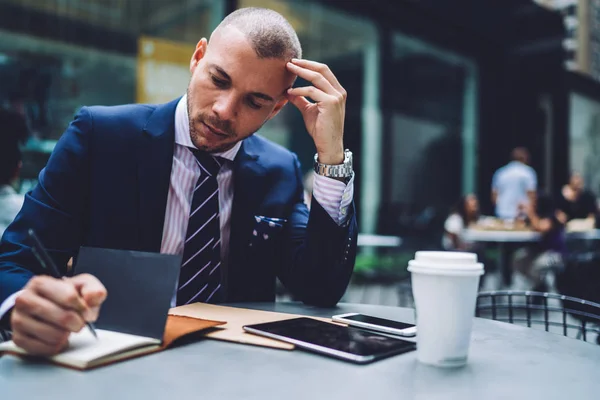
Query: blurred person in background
{"type": "Point", "coordinates": [10, 165]}
{"type": "Point", "coordinates": [514, 185]}
{"type": "Point", "coordinates": [575, 202]}
{"type": "Point", "coordinates": [464, 214]}
{"type": "Point", "coordinates": [548, 252]}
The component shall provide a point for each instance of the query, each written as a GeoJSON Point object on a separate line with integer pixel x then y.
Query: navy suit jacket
{"type": "Point", "coordinates": [106, 185]}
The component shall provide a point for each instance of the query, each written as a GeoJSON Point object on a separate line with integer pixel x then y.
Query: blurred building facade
{"type": "Point", "coordinates": [439, 92]}
{"type": "Point", "coordinates": [582, 59]}
{"type": "Point", "coordinates": [582, 34]}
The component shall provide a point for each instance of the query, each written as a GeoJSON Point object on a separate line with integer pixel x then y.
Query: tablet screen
{"type": "Point", "coordinates": [354, 341]}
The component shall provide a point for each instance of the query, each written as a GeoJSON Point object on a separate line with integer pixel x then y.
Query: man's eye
{"type": "Point", "coordinates": [219, 82]}
{"type": "Point", "coordinates": [254, 105]}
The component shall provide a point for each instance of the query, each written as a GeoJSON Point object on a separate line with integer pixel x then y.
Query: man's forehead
{"type": "Point", "coordinates": [232, 51]}
{"type": "Point", "coordinates": [270, 78]}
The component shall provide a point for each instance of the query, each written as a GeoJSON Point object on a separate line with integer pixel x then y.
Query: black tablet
{"type": "Point", "coordinates": [347, 343]}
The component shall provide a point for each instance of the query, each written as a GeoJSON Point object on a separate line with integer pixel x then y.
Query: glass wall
{"type": "Point", "coordinates": [585, 139]}
{"type": "Point", "coordinates": [48, 80]}
{"type": "Point", "coordinates": [431, 143]}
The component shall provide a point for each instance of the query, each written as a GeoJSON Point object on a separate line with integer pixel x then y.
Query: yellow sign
{"type": "Point", "coordinates": [163, 70]}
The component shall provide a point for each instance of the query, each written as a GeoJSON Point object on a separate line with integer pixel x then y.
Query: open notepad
{"type": "Point", "coordinates": [85, 351]}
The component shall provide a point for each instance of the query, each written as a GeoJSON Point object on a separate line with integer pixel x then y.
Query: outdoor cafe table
{"type": "Point", "coordinates": [503, 237]}
{"type": "Point", "coordinates": [505, 361]}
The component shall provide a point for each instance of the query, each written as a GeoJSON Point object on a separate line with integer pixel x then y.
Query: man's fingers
{"type": "Point", "coordinates": [316, 78]}
{"type": "Point", "coordinates": [36, 347]}
{"type": "Point", "coordinates": [60, 292]}
{"type": "Point", "coordinates": [91, 289]}
{"type": "Point", "coordinates": [299, 102]}
{"type": "Point", "coordinates": [323, 69]}
{"type": "Point", "coordinates": [312, 92]}
{"type": "Point", "coordinates": [31, 304]}
{"type": "Point", "coordinates": [91, 315]}
{"type": "Point", "coordinates": [41, 331]}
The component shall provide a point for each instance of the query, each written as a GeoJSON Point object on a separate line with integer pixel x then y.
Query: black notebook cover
{"type": "Point", "coordinates": [140, 287]}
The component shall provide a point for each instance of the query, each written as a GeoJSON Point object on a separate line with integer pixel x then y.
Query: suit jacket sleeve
{"type": "Point", "coordinates": [54, 209]}
{"type": "Point", "coordinates": [319, 254]}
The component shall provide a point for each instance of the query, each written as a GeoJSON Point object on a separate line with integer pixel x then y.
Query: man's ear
{"type": "Point", "coordinates": [199, 54]}
{"type": "Point", "coordinates": [278, 107]}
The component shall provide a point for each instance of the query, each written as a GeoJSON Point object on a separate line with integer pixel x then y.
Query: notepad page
{"type": "Point", "coordinates": [85, 348]}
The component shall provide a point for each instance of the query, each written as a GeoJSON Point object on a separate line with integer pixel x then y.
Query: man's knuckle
{"type": "Point", "coordinates": [21, 301]}
{"type": "Point", "coordinates": [17, 322]}
{"type": "Point", "coordinates": [36, 283]}
{"type": "Point", "coordinates": [71, 297]}
{"type": "Point", "coordinates": [65, 319]}
{"type": "Point", "coordinates": [19, 340]}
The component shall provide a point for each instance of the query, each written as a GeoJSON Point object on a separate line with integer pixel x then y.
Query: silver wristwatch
{"type": "Point", "coordinates": [335, 171]}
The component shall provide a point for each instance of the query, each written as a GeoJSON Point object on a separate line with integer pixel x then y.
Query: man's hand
{"type": "Point", "coordinates": [49, 309]}
{"type": "Point", "coordinates": [324, 119]}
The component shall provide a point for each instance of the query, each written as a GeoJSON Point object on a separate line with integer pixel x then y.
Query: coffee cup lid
{"type": "Point", "coordinates": [446, 257]}
{"type": "Point", "coordinates": [452, 269]}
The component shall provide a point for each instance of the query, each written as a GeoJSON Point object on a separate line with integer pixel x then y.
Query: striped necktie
{"type": "Point", "coordinates": [200, 275]}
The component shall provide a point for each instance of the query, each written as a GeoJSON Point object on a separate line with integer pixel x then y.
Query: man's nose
{"type": "Point", "coordinates": [225, 107]}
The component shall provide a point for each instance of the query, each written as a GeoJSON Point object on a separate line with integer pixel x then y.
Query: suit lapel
{"type": "Point", "coordinates": [155, 159]}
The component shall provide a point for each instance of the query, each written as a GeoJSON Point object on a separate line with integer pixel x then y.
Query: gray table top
{"type": "Point", "coordinates": [505, 361]}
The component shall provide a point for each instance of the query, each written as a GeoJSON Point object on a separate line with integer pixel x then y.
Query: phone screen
{"type": "Point", "coordinates": [379, 321]}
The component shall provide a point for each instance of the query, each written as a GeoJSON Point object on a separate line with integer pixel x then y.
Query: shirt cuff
{"type": "Point", "coordinates": [334, 196]}
{"type": "Point", "coordinates": [9, 303]}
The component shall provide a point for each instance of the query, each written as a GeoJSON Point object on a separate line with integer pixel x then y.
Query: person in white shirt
{"type": "Point", "coordinates": [465, 213]}
{"type": "Point", "coordinates": [514, 186]}
{"type": "Point", "coordinates": [10, 165]}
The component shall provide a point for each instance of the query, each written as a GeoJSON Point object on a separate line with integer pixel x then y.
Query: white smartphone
{"type": "Point", "coordinates": [376, 324]}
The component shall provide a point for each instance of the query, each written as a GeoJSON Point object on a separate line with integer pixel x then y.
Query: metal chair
{"type": "Point", "coordinates": [546, 309]}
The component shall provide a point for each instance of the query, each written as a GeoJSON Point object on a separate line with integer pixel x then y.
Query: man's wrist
{"type": "Point", "coordinates": [331, 157]}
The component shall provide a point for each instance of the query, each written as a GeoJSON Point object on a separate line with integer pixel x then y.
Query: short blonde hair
{"type": "Point", "coordinates": [270, 34]}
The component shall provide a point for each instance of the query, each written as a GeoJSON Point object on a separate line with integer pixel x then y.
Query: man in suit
{"type": "Point", "coordinates": [189, 177]}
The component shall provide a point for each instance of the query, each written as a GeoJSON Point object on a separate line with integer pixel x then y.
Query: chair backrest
{"type": "Point", "coordinates": [556, 313]}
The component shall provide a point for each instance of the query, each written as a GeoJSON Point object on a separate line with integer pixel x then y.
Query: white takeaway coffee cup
{"type": "Point", "coordinates": [445, 286]}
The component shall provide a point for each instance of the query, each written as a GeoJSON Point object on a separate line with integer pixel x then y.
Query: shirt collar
{"type": "Point", "coordinates": [516, 163]}
{"type": "Point", "coordinates": [182, 131]}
